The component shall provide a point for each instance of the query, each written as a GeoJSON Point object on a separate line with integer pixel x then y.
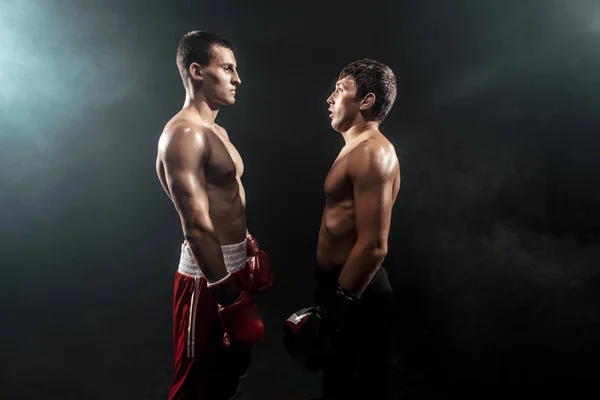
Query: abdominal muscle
{"type": "Point", "coordinates": [337, 236]}
{"type": "Point", "coordinates": [227, 215]}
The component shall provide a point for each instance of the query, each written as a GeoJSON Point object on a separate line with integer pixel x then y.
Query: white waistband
{"type": "Point", "coordinates": [233, 254]}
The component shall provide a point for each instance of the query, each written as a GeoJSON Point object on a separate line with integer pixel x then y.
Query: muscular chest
{"type": "Point", "coordinates": [225, 163]}
{"type": "Point", "coordinates": [337, 186]}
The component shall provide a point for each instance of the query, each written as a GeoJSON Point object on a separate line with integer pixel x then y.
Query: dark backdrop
{"type": "Point", "coordinates": [494, 248]}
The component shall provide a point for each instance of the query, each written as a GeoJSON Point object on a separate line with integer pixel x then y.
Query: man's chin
{"type": "Point", "coordinates": [228, 102]}
{"type": "Point", "coordinates": [335, 126]}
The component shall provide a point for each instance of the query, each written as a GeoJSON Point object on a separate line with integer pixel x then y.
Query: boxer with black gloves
{"type": "Point", "coordinates": [348, 333]}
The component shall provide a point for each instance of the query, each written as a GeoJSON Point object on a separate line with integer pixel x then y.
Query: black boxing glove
{"type": "Point", "coordinates": [308, 333]}
{"type": "Point", "coordinates": [304, 339]}
{"type": "Point", "coordinates": [337, 309]}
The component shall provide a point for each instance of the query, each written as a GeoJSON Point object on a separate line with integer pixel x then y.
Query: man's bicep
{"type": "Point", "coordinates": [372, 183]}
{"type": "Point", "coordinates": [372, 209]}
{"type": "Point", "coordinates": [185, 173]}
{"type": "Point", "coordinates": [189, 195]}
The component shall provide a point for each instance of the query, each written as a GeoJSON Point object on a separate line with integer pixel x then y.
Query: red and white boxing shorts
{"type": "Point", "coordinates": [204, 369]}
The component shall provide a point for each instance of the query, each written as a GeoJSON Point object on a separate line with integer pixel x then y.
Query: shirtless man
{"type": "Point", "coordinates": [215, 320]}
{"type": "Point", "coordinates": [351, 319]}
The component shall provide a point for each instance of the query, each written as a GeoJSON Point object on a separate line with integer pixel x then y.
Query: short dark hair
{"type": "Point", "coordinates": [371, 76]}
{"type": "Point", "coordinates": [196, 47]}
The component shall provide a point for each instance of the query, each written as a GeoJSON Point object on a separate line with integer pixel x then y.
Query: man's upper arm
{"type": "Point", "coordinates": [184, 157]}
{"type": "Point", "coordinates": [371, 170]}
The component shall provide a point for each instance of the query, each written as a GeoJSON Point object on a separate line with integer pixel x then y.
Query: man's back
{"type": "Point", "coordinates": [215, 177]}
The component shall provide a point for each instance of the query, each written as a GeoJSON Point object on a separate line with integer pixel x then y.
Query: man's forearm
{"type": "Point", "coordinates": [206, 251]}
{"type": "Point", "coordinates": [362, 264]}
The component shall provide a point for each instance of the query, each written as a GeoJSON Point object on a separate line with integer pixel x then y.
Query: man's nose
{"type": "Point", "coordinates": [236, 79]}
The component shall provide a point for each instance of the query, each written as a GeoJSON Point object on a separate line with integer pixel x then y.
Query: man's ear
{"type": "Point", "coordinates": [195, 72]}
{"type": "Point", "coordinates": [367, 102]}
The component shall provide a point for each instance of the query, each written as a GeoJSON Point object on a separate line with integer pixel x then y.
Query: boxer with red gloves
{"type": "Point", "coordinates": [348, 333]}
{"type": "Point", "coordinates": [215, 320]}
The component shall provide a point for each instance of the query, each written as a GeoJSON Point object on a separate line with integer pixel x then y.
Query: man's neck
{"type": "Point", "coordinates": [358, 128]}
{"type": "Point", "coordinates": [197, 102]}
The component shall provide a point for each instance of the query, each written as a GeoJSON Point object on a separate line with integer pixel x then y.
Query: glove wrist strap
{"type": "Point", "coordinates": [226, 290]}
{"type": "Point", "coordinates": [215, 283]}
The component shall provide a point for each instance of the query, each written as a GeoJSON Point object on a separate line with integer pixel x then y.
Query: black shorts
{"type": "Point", "coordinates": [364, 362]}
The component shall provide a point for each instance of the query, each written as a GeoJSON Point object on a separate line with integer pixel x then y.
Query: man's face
{"type": "Point", "coordinates": [220, 77]}
{"type": "Point", "coordinates": [344, 107]}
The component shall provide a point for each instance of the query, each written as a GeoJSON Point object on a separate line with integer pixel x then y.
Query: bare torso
{"type": "Point", "coordinates": [224, 189]}
{"type": "Point", "coordinates": [337, 234]}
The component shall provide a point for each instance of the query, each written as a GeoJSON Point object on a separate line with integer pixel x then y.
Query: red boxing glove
{"type": "Point", "coordinates": [241, 318]}
{"type": "Point", "coordinates": [258, 275]}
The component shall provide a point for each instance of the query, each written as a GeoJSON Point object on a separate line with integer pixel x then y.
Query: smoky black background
{"type": "Point", "coordinates": [494, 247]}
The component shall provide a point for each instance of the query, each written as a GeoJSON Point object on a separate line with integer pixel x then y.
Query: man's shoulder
{"type": "Point", "coordinates": [181, 125]}
{"type": "Point", "coordinates": [182, 128]}
{"type": "Point", "coordinates": [183, 136]}
{"type": "Point", "coordinates": [375, 155]}
{"type": "Point", "coordinates": [374, 147]}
